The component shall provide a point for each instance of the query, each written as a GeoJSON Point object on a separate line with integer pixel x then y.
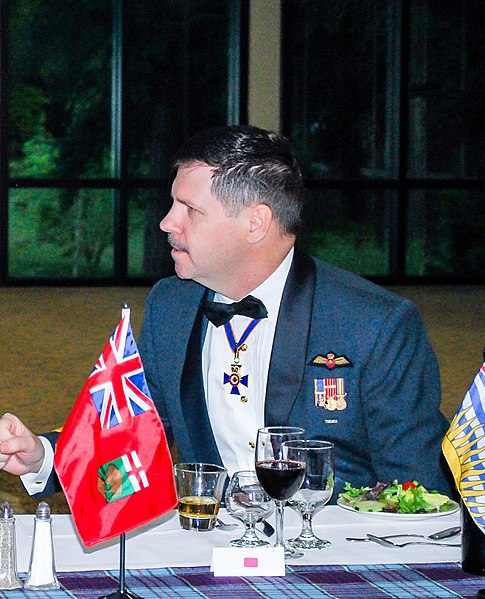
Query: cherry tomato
{"type": "Point", "coordinates": [409, 485]}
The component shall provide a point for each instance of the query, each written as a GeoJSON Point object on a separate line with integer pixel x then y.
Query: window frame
{"type": "Point", "coordinates": [402, 184]}
{"type": "Point", "coordinates": [120, 184]}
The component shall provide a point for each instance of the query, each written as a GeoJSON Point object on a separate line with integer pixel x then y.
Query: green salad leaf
{"type": "Point", "coordinates": [407, 498]}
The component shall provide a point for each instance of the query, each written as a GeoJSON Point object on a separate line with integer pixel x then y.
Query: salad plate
{"type": "Point", "coordinates": [408, 517]}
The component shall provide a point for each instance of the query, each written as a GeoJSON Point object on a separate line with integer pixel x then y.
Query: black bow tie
{"type": "Point", "coordinates": [219, 313]}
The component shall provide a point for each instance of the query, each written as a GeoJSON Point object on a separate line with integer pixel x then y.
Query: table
{"type": "Point", "coordinates": [165, 561]}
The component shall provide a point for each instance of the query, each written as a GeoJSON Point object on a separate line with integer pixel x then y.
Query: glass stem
{"type": "Point", "coordinates": [306, 525]}
{"type": "Point", "coordinates": [280, 512]}
{"type": "Point", "coordinates": [250, 532]}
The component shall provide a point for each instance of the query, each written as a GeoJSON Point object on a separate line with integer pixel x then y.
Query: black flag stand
{"type": "Point", "coordinates": [122, 592]}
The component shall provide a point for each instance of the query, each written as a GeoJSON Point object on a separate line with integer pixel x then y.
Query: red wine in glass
{"type": "Point", "coordinates": [281, 479]}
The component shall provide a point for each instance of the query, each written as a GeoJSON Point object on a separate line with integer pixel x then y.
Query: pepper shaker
{"type": "Point", "coordinates": [9, 578]}
{"type": "Point", "coordinates": [42, 570]}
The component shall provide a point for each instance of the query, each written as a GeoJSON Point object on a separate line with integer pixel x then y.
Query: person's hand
{"type": "Point", "coordinates": [21, 451]}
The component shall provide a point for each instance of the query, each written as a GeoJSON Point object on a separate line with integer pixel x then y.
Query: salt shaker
{"type": "Point", "coordinates": [8, 552]}
{"type": "Point", "coordinates": [42, 569]}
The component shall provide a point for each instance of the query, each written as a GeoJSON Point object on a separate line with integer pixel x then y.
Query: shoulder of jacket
{"type": "Point", "coordinates": [173, 288]}
{"type": "Point", "coordinates": [345, 286]}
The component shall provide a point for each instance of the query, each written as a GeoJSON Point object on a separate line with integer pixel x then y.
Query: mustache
{"type": "Point", "coordinates": [175, 244]}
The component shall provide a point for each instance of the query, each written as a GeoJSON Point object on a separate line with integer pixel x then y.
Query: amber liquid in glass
{"type": "Point", "coordinates": [198, 513]}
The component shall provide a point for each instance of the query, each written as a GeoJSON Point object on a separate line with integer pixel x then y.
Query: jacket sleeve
{"type": "Point", "coordinates": [402, 390]}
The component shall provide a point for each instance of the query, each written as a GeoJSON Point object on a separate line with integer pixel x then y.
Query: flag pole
{"type": "Point", "coordinates": [480, 591]}
{"type": "Point", "coordinates": [122, 563]}
{"type": "Point", "coordinates": [125, 309]}
{"type": "Point", "coordinates": [122, 592]}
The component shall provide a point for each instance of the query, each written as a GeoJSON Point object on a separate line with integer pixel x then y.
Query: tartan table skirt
{"type": "Point", "coordinates": [336, 582]}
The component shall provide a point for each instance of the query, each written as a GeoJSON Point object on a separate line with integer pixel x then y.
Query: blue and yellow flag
{"type": "Point", "coordinates": [464, 449]}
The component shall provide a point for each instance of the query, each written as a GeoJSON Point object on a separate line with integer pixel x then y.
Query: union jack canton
{"type": "Point", "coordinates": [118, 380]}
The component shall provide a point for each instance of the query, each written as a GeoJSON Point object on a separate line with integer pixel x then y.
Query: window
{"type": "Point", "coordinates": [97, 95]}
{"type": "Point", "coordinates": [384, 102]}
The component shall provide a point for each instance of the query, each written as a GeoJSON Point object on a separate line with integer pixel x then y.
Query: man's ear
{"type": "Point", "coordinates": [260, 219]}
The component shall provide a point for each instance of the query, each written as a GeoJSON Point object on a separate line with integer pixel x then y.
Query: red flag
{"type": "Point", "coordinates": [112, 457]}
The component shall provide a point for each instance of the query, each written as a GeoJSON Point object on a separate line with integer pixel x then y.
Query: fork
{"type": "Point", "coordinates": [266, 529]}
{"type": "Point", "coordinates": [436, 536]}
{"type": "Point", "coordinates": [226, 526]}
{"type": "Point", "coordinates": [386, 543]}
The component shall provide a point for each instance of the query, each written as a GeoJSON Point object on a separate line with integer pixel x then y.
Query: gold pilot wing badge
{"type": "Point", "coordinates": [331, 360]}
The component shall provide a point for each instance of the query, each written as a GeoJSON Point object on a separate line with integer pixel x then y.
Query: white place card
{"type": "Point", "coordinates": [241, 561]}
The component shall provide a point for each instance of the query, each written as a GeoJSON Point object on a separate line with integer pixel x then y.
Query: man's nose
{"type": "Point", "coordinates": [168, 223]}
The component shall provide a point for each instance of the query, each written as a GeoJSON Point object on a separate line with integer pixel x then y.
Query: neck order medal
{"type": "Point", "coordinates": [235, 378]}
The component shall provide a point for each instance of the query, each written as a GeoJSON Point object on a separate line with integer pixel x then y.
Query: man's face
{"type": "Point", "coordinates": [208, 246]}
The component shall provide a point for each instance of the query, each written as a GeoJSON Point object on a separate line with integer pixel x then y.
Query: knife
{"type": "Point", "coordinates": [268, 530]}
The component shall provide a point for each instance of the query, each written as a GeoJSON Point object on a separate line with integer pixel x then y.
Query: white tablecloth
{"type": "Point", "coordinates": [163, 543]}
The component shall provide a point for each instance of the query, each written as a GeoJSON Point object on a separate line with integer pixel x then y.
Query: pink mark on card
{"type": "Point", "coordinates": [250, 562]}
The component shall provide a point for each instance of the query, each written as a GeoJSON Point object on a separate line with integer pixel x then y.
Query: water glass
{"type": "Point", "coordinates": [249, 502]}
{"type": "Point", "coordinates": [315, 491]}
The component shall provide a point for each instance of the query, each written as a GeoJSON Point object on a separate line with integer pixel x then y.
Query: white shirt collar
{"type": "Point", "coordinates": [270, 290]}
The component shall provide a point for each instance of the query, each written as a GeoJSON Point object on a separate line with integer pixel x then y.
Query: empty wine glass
{"type": "Point", "coordinates": [249, 502]}
{"type": "Point", "coordinates": [315, 491]}
{"type": "Point", "coordinates": [280, 470]}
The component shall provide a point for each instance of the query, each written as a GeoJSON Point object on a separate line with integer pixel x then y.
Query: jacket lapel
{"type": "Point", "coordinates": [192, 397]}
{"type": "Point", "coordinates": [288, 358]}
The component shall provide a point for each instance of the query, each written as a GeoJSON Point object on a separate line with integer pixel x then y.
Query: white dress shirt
{"type": "Point", "coordinates": [236, 417]}
{"type": "Point", "coordinates": [36, 482]}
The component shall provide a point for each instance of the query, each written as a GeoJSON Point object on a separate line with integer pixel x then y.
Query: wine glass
{"type": "Point", "coordinates": [249, 502]}
{"type": "Point", "coordinates": [280, 469]}
{"type": "Point", "coordinates": [315, 491]}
